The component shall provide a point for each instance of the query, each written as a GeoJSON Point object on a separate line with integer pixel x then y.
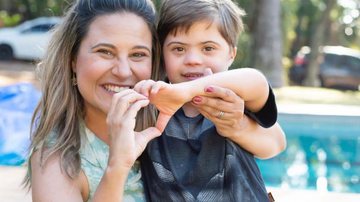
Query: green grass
{"type": "Point", "coordinates": [308, 95]}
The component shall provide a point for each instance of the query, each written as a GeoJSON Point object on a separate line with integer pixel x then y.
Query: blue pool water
{"type": "Point", "coordinates": [323, 153]}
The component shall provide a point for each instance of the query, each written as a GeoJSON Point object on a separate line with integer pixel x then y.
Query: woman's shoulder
{"type": "Point", "coordinates": [45, 173]}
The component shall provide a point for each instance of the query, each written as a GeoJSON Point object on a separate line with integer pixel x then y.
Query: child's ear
{"type": "Point", "coordinates": [232, 55]}
{"type": "Point", "coordinates": [233, 52]}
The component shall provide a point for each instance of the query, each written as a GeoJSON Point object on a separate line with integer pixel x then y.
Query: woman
{"type": "Point", "coordinates": [84, 145]}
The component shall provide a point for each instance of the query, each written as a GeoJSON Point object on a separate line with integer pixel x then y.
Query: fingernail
{"type": "Point", "coordinates": [209, 89]}
{"type": "Point", "coordinates": [197, 99]}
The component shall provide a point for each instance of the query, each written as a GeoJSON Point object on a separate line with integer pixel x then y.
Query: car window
{"type": "Point", "coordinates": [352, 63]}
{"type": "Point", "coordinates": [332, 60]}
{"type": "Point", "coordinates": [39, 28]}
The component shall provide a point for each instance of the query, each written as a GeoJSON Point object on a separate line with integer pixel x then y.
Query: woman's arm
{"type": "Point", "coordinates": [262, 142]}
{"type": "Point", "coordinates": [50, 183]}
{"type": "Point", "coordinates": [239, 127]}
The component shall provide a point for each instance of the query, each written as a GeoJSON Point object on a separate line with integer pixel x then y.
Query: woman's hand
{"type": "Point", "coordinates": [126, 145]}
{"type": "Point", "coordinates": [222, 107]}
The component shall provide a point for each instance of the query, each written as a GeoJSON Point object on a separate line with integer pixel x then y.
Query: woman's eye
{"type": "Point", "coordinates": [106, 52]}
{"type": "Point", "coordinates": [138, 55]}
{"type": "Point", "coordinates": [209, 48]}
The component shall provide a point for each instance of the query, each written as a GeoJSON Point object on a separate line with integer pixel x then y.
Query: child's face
{"type": "Point", "coordinates": [187, 55]}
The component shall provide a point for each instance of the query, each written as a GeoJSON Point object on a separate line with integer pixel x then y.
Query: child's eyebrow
{"type": "Point", "coordinates": [213, 42]}
{"type": "Point", "coordinates": [182, 43]}
{"type": "Point", "coordinates": [175, 42]}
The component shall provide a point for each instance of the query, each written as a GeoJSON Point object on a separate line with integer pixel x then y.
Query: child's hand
{"type": "Point", "coordinates": [222, 107]}
{"type": "Point", "coordinates": [146, 87]}
{"type": "Point", "coordinates": [167, 98]}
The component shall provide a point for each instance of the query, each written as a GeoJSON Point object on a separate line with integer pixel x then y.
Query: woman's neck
{"type": "Point", "coordinates": [97, 124]}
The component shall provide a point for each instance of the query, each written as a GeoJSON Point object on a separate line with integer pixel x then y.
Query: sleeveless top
{"type": "Point", "coordinates": [94, 155]}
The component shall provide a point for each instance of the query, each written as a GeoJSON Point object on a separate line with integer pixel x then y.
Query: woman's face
{"type": "Point", "coordinates": [114, 55]}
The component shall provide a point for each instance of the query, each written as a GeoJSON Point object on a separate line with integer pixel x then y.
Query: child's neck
{"type": "Point", "coordinates": [190, 110]}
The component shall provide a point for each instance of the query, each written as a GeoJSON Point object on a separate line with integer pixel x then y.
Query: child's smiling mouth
{"type": "Point", "coordinates": [193, 76]}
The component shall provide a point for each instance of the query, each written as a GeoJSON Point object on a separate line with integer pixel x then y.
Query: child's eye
{"type": "Point", "coordinates": [178, 49]}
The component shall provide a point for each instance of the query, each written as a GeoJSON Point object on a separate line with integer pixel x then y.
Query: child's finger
{"type": "Point", "coordinates": [162, 121]}
{"type": "Point", "coordinates": [138, 85]}
{"type": "Point", "coordinates": [146, 87]}
{"type": "Point", "coordinates": [157, 86]}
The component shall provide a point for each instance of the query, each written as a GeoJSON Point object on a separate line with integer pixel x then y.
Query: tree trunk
{"type": "Point", "coordinates": [267, 43]}
{"type": "Point", "coordinates": [317, 40]}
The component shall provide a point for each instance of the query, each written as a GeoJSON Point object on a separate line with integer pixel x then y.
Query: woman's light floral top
{"type": "Point", "coordinates": [94, 155]}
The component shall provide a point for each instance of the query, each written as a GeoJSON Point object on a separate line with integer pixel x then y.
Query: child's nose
{"type": "Point", "coordinates": [193, 57]}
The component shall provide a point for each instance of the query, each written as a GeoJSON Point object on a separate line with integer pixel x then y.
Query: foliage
{"type": "Point", "coordinates": [299, 20]}
{"type": "Point", "coordinates": [7, 20]}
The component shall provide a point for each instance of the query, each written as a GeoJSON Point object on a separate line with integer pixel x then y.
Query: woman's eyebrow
{"type": "Point", "coordinates": [142, 47]}
{"type": "Point", "coordinates": [103, 44]}
{"type": "Point", "coordinates": [114, 47]}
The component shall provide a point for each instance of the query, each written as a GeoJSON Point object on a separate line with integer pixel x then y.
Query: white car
{"type": "Point", "coordinates": [27, 40]}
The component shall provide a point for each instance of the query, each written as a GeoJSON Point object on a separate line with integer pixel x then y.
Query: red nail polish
{"type": "Point", "coordinates": [209, 89]}
{"type": "Point", "coordinates": [197, 99]}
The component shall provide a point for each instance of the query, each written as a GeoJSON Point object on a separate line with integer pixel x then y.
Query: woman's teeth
{"type": "Point", "coordinates": [115, 89]}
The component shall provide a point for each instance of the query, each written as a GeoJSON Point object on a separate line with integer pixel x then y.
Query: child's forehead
{"type": "Point", "coordinates": [205, 24]}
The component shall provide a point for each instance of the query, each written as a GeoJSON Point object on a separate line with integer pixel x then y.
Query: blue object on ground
{"type": "Point", "coordinates": [17, 103]}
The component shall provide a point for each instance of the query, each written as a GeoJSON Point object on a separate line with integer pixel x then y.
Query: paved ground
{"type": "Point", "coordinates": [17, 71]}
{"type": "Point", "coordinates": [10, 185]}
{"type": "Point", "coordinates": [11, 177]}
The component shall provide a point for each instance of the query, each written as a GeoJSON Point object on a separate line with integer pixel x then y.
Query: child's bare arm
{"type": "Point", "coordinates": [248, 83]}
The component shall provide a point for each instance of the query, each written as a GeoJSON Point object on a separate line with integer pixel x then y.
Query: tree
{"type": "Point", "coordinates": [267, 41]}
{"type": "Point", "coordinates": [317, 40]}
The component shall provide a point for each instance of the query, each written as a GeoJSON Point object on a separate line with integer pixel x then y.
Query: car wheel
{"type": "Point", "coordinates": [6, 52]}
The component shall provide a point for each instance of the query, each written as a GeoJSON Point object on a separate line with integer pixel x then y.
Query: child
{"type": "Point", "coordinates": [198, 158]}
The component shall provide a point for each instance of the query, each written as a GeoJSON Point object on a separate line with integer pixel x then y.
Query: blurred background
{"type": "Point", "coordinates": [309, 51]}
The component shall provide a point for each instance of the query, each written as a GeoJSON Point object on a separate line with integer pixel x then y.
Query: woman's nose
{"type": "Point", "coordinates": [122, 68]}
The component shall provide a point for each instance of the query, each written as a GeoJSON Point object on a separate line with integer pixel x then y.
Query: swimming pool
{"type": "Point", "coordinates": [323, 153]}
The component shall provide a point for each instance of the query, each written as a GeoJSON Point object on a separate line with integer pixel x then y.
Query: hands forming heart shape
{"type": "Point", "coordinates": [167, 98]}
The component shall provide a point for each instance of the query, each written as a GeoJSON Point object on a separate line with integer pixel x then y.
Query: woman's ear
{"type": "Point", "coordinates": [73, 66]}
